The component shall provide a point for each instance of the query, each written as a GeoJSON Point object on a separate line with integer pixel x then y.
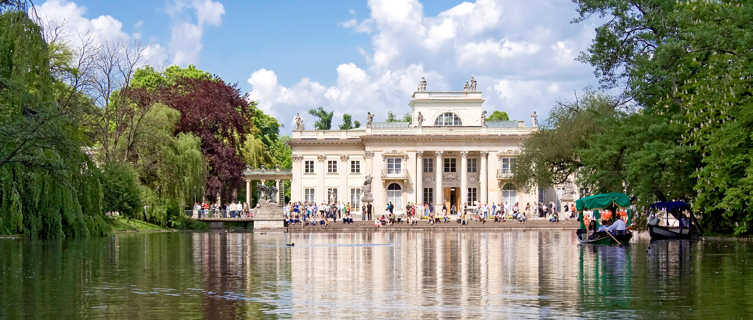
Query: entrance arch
{"type": "Point", "coordinates": [395, 195]}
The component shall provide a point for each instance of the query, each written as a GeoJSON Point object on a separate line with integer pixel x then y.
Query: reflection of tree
{"type": "Point", "coordinates": [605, 278]}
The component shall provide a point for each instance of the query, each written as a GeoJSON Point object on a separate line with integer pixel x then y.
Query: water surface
{"type": "Point", "coordinates": [421, 274]}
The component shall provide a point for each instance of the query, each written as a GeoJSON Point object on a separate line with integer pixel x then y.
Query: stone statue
{"type": "Point", "coordinates": [266, 194]}
{"type": "Point", "coordinates": [298, 122]}
{"type": "Point", "coordinates": [533, 120]}
{"type": "Point", "coordinates": [473, 84]}
{"type": "Point", "coordinates": [422, 85]}
{"type": "Point", "coordinates": [483, 118]}
{"type": "Point", "coordinates": [367, 196]}
{"type": "Point", "coordinates": [369, 119]}
{"type": "Point", "coordinates": [466, 87]}
{"type": "Point", "coordinates": [420, 119]}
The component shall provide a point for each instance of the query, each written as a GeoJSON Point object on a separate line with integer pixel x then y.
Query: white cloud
{"type": "Point", "coordinates": [186, 34]}
{"type": "Point", "coordinates": [522, 53]}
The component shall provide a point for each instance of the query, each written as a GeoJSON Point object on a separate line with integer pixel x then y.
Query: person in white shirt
{"type": "Point", "coordinates": [617, 227]}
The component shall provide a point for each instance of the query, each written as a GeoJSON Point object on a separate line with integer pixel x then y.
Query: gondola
{"type": "Point", "coordinates": [684, 228]}
{"type": "Point", "coordinates": [609, 201]}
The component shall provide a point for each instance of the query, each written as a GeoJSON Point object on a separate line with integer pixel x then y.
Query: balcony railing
{"type": "Point", "coordinates": [395, 174]}
{"type": "Point", "coordinates": [505, 174]}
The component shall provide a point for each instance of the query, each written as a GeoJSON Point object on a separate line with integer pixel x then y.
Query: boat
{"type": "Point", "coordinates": [608, 201]}
{"type": "Point", "coordinates": [683, 227]}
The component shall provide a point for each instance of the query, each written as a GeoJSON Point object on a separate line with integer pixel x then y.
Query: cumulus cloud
{"type": "Point", "coordinates": [186, 34]}
{"type": "Point", "coordinates": [522, 53]}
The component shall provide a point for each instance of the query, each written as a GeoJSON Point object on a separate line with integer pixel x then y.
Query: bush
{"type": "Point", "coordinates": [121, 190]}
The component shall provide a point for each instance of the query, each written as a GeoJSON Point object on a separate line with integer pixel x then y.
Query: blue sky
{"type": "Point", "coordinates": [353, 56]}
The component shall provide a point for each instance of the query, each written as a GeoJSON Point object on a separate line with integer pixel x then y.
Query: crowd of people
{"type": "Point", "coordinates": [323, 214]}
{"type": "Point", "coordinates": [229, 210]}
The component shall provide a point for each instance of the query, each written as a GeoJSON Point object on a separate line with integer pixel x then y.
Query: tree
{"type": "Point", "coordinates": [688, 63]}
{"type": "Point", "coordinates": [348, 123]}
{"type": "Point", "coordinates": [217, 114]}
{"type": "Point", "coordinates": [48, 186]}
{"type": "Point", "coordinates": [391, 117]}
{"type": "Point", "coordinates": [122, 186]}
{"type": "Point", "coordinates": [325, 118]}
{"type": "Point", "coordinates": [407, 117]}
{"type": "Point", "coordinates": [498, 116]}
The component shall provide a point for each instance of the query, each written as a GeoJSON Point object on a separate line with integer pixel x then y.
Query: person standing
{"type": "Point", "coordinates": [369, 207]}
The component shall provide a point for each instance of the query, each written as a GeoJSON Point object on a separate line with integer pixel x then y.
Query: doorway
{"type": "Point", "coordinates": [452, 197]}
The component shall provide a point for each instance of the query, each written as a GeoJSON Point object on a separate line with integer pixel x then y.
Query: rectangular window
{"type": "Point", "coordinates": [472, 165]}
{"type": "Point", "coordinates": [472, 196]}
{"type": "Point", "coordinates": [355, 166]}
{"type": "Point", "coordinates": [355, 199]}
{"type": "Point", "coordinates": [308, 194]}
{"type": "Point", "coordinates": [332, 166]}
{"type": "Point", "coordinates": [394, 165]}
{"type": "Point", "coordinates": [428, 195]}
{"type": "Point", "coordinates": [332, 195]}
{"type": "Point", "coordinates": [450, 164]}
{"type": "Point", "coordinates": [506, 165]}
{"type": "Point", "coordinates": [308, 166]}
{"type": "Point", "coordinates": [428, 165]}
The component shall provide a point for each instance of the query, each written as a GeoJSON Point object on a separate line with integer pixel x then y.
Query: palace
{"type": "Point", "coordinates": [447, 155]}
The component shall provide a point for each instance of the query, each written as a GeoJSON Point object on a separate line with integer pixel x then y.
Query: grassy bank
{"type": "Point", "coordinates": [121, 224]}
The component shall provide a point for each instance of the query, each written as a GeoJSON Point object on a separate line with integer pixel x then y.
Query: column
{"type": "Point", "coordinates": [419, 179]}
{"type": "Point", "coordinates": [438, 192]}
{"type": "Point", "coordinates": [277, 194]}
{"type": "Point", "coordinates": [248, 193]}
{"type": "Point", "coordinates": [463, 179]}
{"type": "Point", "coordinates": [344, 195]}
{"type": "Point", "coordinates": [322, 172]}
{"type": "Point", "coordinates": [483, 177]}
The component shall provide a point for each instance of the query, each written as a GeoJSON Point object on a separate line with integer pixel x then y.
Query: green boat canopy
{"type": "Point", "coordinates": [600, 201]}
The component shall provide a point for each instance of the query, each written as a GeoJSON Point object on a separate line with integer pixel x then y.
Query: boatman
{"type": "Point", "coordinates": [617, 228]}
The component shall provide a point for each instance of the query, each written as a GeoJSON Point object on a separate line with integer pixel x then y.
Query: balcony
{"type": "Point", "coordinates": [504, 174]}
{"type": "Point", "coordinates": [392, 175]}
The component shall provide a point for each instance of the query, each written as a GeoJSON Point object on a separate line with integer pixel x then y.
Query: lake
{"type": "Point", "coordinates": [409, 274]}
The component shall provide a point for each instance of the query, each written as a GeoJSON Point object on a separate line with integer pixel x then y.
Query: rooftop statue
{"type": "Point", "coordinates": [298, 122]}
{"type": "Point", "coordinates": [420, 119]}
{"type": "Point", "coordinates": [421, 85]}
{"type": "Point", "coordinates": [369, 119]}
{"type": "Point", "coordinates": [533, 120]}
{"type": "Point", "coordinates": [473, 84]}
{"type": "Point", "coordinates": [483, 118]}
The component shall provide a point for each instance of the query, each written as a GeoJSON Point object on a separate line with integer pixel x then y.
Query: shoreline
{"type": "Point", "coordinates": [357, 226]}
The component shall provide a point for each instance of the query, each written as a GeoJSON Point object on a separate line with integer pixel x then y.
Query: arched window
{"type": "Point", "coordinates": [448, 119]}
{"type": "Point", "coordinates": [395, 195]}
{"type": "Point", "coordinates": [509, 195]}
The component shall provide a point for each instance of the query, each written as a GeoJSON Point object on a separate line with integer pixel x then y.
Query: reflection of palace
{"type": "Point", "coordinates": [448, 154]}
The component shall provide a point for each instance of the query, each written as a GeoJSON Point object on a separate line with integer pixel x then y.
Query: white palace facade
{"type": "Point", "coordinates": [447, 155]}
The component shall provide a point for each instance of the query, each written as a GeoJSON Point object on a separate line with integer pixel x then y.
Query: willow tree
{"type": "Point", "coordinates": [48, 186]}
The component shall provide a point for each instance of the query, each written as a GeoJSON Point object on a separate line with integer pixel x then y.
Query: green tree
{"type": "Point", "coordinates": [348, 123]}
{"type": "Point", "coordinates": [498, 116]}
{"type": "Point", "coordinates": [122, 186]}
{"type": "Point", "coordinates": [325, 118]}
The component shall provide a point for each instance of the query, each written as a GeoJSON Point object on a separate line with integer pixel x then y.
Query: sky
{"type": "Point", "coordinates": [352, 56]}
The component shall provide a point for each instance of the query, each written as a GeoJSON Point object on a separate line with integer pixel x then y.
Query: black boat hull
{"type": "Point", "coordinates": [664, 233]}
{"type": "Point", "coordinates": [603, 238]}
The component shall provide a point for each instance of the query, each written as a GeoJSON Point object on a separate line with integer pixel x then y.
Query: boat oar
{"type": "Point", "coordinates": [615, 239]}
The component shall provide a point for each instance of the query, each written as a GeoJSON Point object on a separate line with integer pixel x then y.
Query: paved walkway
{"type": "Point", "coordinates": [424, 225]}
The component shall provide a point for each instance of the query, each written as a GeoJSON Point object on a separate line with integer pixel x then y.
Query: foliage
{"type": "Point", "coordinates": [217, 114]}
{"type": "Point", "coordinates": [48, 186]}
{"type": "Point", "coordinates": [325, 118]}
{"type": "Point", "coordinates": [688, 63]}
{"type": "Point", "coordinates": [498, 116]}
{"type": "Point", "coordinates": [348, 123]}
{"type": "Point", "coordinates": [122, 196]}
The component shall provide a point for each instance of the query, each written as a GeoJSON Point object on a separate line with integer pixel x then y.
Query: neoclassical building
{"type": "Point", "coordinates": [447, 155]}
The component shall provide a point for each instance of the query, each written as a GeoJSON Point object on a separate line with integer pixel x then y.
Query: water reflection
{"type": "Point", "coordinates": [421, 274]}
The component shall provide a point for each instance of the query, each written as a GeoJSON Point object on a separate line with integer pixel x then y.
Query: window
{"type": "Point", "coordinates": [428, 195]}
{"type": "Point", "coordinates": [472, 196]}
{"type": "Point", "coordinates": [447, 119]}
{"type": "Point", "coordinates": [472, 165]}
{"type": "Point", "coordinates": [428, 165]}
{"type": "Point", "coordinates": [395, 195]}
{"type": "Point", "coordinates": [394, 165]}
{"type": "Point", "coordinates": [332, 195]}
{"type": "Point", "coordinates": [332, 166]}
{"type": "Point", "coordinates": [309, 166]}
{"type": "Point", "coordinates": [506, 165]}
{"type": "Point", "coordinates": [355, 199]}
{"type": "Point", "coordinates": [450, 164]}
{"type": "Point", "coordinates": [509, 196]}
{"type": "Point", "coordinates": [355, 166]}
{"type": "Point", "coordinates": [308, 194]}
